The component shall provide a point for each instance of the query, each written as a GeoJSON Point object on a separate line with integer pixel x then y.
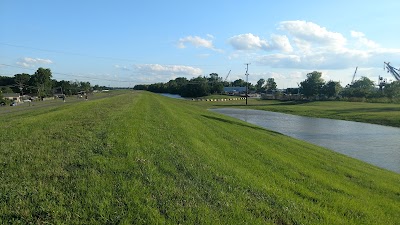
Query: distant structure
{"type": "Point", "coordinates": [392, 70]}
{"type": "Point", "coordinates": [354, 75]}
{"type": "Point", "coordinates": [226, 78]}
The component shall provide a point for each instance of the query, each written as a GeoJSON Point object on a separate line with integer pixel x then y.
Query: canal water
{"type": "Point", "coordinates": [375, 144]}
{"type": "Point", "coordinates": [172, 96]}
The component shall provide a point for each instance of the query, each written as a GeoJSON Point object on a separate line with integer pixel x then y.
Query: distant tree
{"type": "Point", "coordinates": [292, 91]}
{"type": "Point", "coordinates": [196, 87]}
{"type": "Point", "coordinates": [361, 88]}
{"type": "Point", "coordinates": [239, 83]}
{"type": "Point", "coordinates": [260, 84]}
{"type": "Point", "coordinates": [64, 87]}
{"type": "Point", "coordinates": [22, 80]}
{"type": "Point", "coordinates": [85, 86]}
{"type": "Point", "coordinates": [215, 78]}
{"type": "Point", "coordinates": [270, 86]}
{"type": "Point", "coordinates": [158, 88]}
{"type": "Point", "coordinates": [216, 87]}
{"type": "Point", "coordinates": [6, 89]}
{"type": "Point", "coordinates": [216, 84]}
{"type": "Point", "coordinates": [9, 82]}
{"type": "Point", "coordinates": [331, 89]}
{"type": "Point", "coordinates": [392, 90]}
{"type": "Point", "coordinates": [136, 87]}
{"type": "Point", "coordinates": [172, 87]}
{"type": "Point", "coordinates": [42, 82]}
{"type": "Point", "coordinates": [311, 87]}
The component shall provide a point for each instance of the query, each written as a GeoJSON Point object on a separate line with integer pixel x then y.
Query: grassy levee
{"type": "Point", "coordinates": [140, 158]}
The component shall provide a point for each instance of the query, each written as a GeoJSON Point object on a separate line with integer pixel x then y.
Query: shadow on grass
{"type": "Point", "coordinates": [240, 124]}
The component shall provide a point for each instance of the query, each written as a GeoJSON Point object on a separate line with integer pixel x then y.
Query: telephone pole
{"type": "Point", "coordinates": [247, 80]}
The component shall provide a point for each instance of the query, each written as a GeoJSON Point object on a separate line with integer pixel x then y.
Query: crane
{"type": "Point", "coordinates": [392, 70]}
{"type": "Point", "coordinates": [354, 75]}
{"type": "Point", "coordinates": [227, 75]}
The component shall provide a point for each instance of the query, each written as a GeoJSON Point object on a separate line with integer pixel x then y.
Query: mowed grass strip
{"type": "Point", "coordinates": [146, 159]}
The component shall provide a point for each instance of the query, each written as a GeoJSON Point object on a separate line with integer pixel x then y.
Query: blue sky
{"type": "Point", "coordinates": [123, 43]}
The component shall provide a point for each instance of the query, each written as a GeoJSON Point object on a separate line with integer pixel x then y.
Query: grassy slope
{"type": "Point", "coordinates": [149, 159]}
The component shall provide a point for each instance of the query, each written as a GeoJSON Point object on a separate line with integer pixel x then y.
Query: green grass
{"type": "Point", "coordinates": [377, 113]}
{"type": "Point", "coordinates": [142, 158]}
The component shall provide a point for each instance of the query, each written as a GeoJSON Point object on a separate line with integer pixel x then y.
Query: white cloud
{"type": "Point", "coordinates": [210, 36]}
{"type": "Point", "coordinates": [311, 32]}
{"type": "Point", "coordinates": [167, 70]}
{"type": "Point", "coordinates": [124, 68]}
{"type": "Point", "coordinates": [314, 48]}
{"type": "Point", "coordinates": [252, 42]}
{"type": "Point", "coordinates": [29, 62]}
{"type": "Point", "coordinates": [281, 42]}
{"type": "Point", "coordinates": [362, 40]}
{"type": "Point", "coordinates": [279, 60]}
{"type": "Point", "coordinates": [247, 42]}
{"type": "Point", "coordinates": [198, 42]}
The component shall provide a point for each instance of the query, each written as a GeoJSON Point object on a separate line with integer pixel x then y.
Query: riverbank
{"type": "Point", "coordinates": [376, 113]}
{"type": "Point", "coordinates": [139, 157]}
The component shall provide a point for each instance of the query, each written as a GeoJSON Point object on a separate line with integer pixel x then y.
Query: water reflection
{"type": "Point", "coordinates": [375, 144]}
{"type": "Point", "coordinates": [172, 95]}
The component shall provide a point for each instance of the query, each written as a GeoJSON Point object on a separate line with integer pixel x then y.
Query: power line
{"type": "Point", "coordinates": [66, 53]}
{"type": "Point", "coordinates": [66, 74]}
{"type": "Point", "coordinates": [94, 56]}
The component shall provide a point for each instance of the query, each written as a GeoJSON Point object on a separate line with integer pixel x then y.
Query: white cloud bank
{"type": "Point", "coordinates": [30, 62]}
{"type": "Point", "coordinates": [252, 42]}
{"type": "Point", "coordinates": [306, 45]}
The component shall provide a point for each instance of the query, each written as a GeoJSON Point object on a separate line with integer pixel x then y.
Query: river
{"type": "Point", "coordinates": [172, 95]}
{"type": "Point", "coordinates": [375, 144]}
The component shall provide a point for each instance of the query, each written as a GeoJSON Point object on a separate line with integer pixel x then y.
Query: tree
{"type": "Point", "coordinates": [239, 83]}
{"type": "Point", "coordinates": [42, 81]}
{"type": "Point", "coordinates": [64, 87]}
{"type": "Point", "coordinates": [361, 88]}
{"type": "Point", "coordinates": [21, 80]}
{"type": "Point", "coordinates": [215, 78]}
{"type": "Point", "coordinates": [259, 85]}
{"type": "Point", "coordinates": [392, 90]}
{"type": "Point", "coordinates": [6, 89]}
{"type": "Point", "coordinates": [331, 89]}
{"type": "Point", "coordinates": [270, 86]}
{"type": "Point", "coordinates": [197, 87]}
{"type": "Point", "coordinates": [84, 86]}
{"type": "Point", "coordinates": [215, 83]}
{"type": "Point", "coordinates": [9, 82]}
{"type": "Point", "coordinates": [311, 87]}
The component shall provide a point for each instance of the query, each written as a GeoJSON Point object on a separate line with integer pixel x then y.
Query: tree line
{"type": "Point", "coordinates": [364, 88]}
{"type": "Point", "coordinates": [42, 84]}
{"type": "Point", "coordinates": [204, 85]}
{"type": "Point", "coordinates": [312, 88]}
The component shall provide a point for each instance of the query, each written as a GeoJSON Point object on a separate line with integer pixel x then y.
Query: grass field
{"type": "Point", "coordinates": [141, 158]}
{"type": "Point", "coordinates": [377, 113]}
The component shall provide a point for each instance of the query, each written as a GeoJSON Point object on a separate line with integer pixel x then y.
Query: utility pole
{"type": "Point", "coordinates": [247, 80]}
